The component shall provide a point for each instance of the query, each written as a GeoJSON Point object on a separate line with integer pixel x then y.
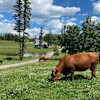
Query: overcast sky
{"type": "Point", "coordinates": [50, 14]}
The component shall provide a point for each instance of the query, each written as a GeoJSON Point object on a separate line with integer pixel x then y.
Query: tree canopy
{"type": "Point", "coordinates": [86, 39]}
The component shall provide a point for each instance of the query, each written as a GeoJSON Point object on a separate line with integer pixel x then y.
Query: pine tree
{"type": "Point", "coordinates": [26, 21]}
{"type": "Point", "coordinates": [22, 19]}
{"type": "Point", "coordinates": [18, 22]}
{"type": "Point", "coordinates": [41, 37]}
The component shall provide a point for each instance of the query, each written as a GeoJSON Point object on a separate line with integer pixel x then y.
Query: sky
{"type": "Point", "coordinates": [50, 14]}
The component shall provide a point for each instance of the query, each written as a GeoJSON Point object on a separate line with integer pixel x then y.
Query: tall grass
{"type": "Point", "coordinates": [32, 82]}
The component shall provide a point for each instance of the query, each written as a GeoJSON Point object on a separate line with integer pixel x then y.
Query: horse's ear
{"type": "Point", "coordinates": [52, 69]}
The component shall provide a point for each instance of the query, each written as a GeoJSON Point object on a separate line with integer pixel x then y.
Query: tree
{"type": "Point", "coordinates": [56, 52]}
{"type": "Point", "coordinates": [98, 39]}
{"type": "Point", "coordinates": [72, 39]}
{"type": "Point", "coordinates": [89, 35]}
{"type": "Point", "coordinates": [9, 36]}
{"type": "Point", "coordinates": [49, 38]}
{"type": "Point", "coordinates": [63, 38]}
{"type": "Point", "coordinates": [41, 37]}
{"type": "Point", "coordinates": [26, 21]}
{"type": "Point", "coordinates": [18, 23]}
{"type": "Point", "coordinates": [22, 19]}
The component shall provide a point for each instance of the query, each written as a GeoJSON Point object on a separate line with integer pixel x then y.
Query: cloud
{"type": "Point", "coordinates": [6, 28]}
{"type": "Point", "coordinates": [70, 20]}
{"type": "Point", "coordinates": [6, 21]}
{"type": "Point", "coordinates": [34, 32]}
{"type": "Point", "coordinates": [85, 14]}
{"type": "Point", "coordinates": [1, 16]}
{"type": "Point", "coordinates": [6, 5]}
{"type": "Point", "coordinates": [93, 19]}
{"type": "Point", "coordinates": [96, 19]}
{"type": "Point", "coordinates": [96, 7]}
{"type": "Point", "coordinates": [1, 1]}
{"type": "Point", "coordinates": [81, 21]}
{"type": "Point", "coordinates": [38, 21]}
{"type": "Point", "coordinates": [70, 23]}
{"type": "Point", "coordinates": [55, 25]}
{"type": "Point", "coordinates": [44, 9]}
{"type": "Point", "coordinates": [41, 9]}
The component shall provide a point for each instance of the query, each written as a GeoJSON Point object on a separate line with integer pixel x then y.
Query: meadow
{"type": "Point", "coordinates": [12, 48]}
{"type": "Point", "coordinates": [33, 82]}
{"type": "Point", "coordinates": [9, 52]}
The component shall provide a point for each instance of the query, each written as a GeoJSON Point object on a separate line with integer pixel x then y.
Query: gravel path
{"type": "Point", "coordinates": [48, 55]}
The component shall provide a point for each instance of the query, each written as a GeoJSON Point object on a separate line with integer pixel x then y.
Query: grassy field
{"type": "Point", "coordinates": [7, 60]}
{"type": "Point", "coordinates": [12, 48]}
{"type": "Point", "coordinates": [9, 52]}
{"type": "Point", "coordinates": [32, 82]}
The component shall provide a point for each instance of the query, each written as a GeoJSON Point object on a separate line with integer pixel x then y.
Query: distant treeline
{"type": "Point", "coordinates": [9, 36]}
{"type": "Point", "coordinates": [13, 37]}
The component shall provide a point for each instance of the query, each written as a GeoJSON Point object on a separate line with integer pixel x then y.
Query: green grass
{"type": "Point", "coordinates": [9, 52]}
{"type": "Point", "coordinates": [8, 48]}
{"type": "Point", "coordinates": [15, 59]}
{"type": "Point", "coordinates": [31, 82]}
{"type": "Point", "coordinates": [12, 48]}
{"type": "Point", "coordinates": [7, 60]}
{"type": "Point", "coordinates": [54, 57]}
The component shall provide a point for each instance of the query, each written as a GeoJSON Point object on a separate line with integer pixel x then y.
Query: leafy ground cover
{"type": "Point", "coordinates": [32, 82]}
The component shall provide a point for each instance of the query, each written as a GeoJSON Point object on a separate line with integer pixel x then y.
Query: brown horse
{"type": "Point", "coordinates": [76, 62]}
{"type": "Point", "coordinates": [46, 59]}
{"type": "Point", "coordinates": [41, 58]}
